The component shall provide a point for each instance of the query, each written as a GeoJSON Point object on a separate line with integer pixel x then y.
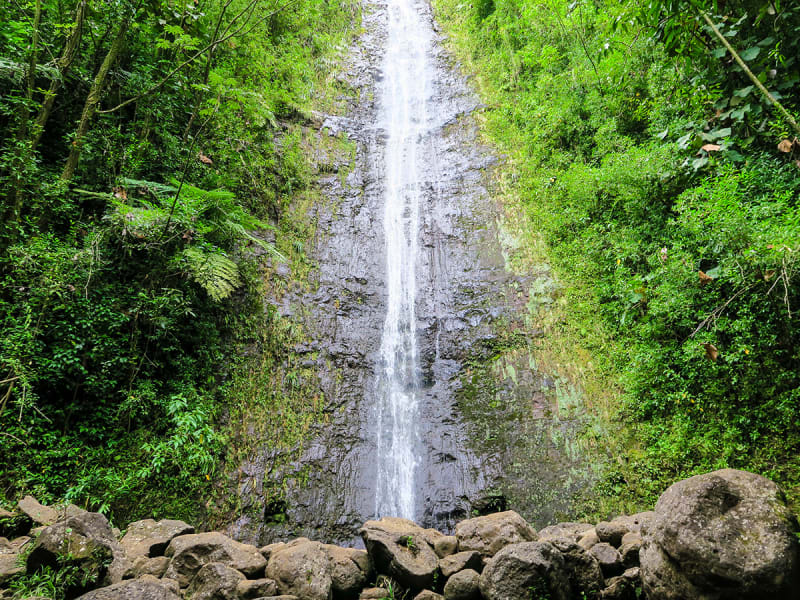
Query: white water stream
{"type": "Point", "coordinates": [404, 118]}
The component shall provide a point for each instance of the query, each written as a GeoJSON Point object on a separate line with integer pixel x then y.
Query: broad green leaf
{"type": "Point", "coordinates": [750, 53]}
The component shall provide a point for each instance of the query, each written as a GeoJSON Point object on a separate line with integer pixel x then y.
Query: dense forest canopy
{"type": "Point", "coordinates": [655, 149]}
{"type": "Point", "coordinates": [149, 153]}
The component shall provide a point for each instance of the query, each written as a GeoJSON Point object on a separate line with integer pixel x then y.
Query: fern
{"type": "Point", "coordinates": [214, 272]}
{"type": "Point", "coordinates": [214, 214]}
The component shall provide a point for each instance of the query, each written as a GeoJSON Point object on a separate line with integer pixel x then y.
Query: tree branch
{"type": "Point", "coordinates": [750, 74]}
{"type": "Point", "coordinates": [199, 53]}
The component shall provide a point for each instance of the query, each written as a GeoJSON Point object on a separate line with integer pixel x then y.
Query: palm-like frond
{"type": "Point", "coordinates": [213, 271]}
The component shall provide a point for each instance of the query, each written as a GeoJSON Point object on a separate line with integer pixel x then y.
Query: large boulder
{"type": "Point", "coordinates": [215, 581]}
{"type": "Point", "coordinates": [459, 561]}
{"type": "Point", "coordinates": [316, 571]}
{"type": "Point", "coordinates": [86, 539]}
{"type": "Point", "coordinates": [572, 531]}
{"type": "Point", "coordinates": [608, 557]}
{"type": "Point", "coordinates": [9, 559]}
{"type": "Point", "coordinates": [150, 538]}
{"type": "Point", "coordinates": [301, 568]}
{"type": "Point", "coordinates": [720, 536]}
{"type": "Point", "coordinates": [490, 533]}
{"type": "Point", "coordinates": [145, 588]}
{"type": "Point", "coordinates": [526, 570]}
{"type": "Point", "coordinates": [464, 585]}
{"type": "Point", "coordinates": [403, 550]}
{"type": "Point", "coordinates": [249, 589]}
{"type": "Point", "coordinates": [191, 552]}
{"type": "Point", "coordinates": [38, 513]}
{"type": "Point", "coordinates": [582, 566]}
{"type": "Point", "coordinates": [350, 570]}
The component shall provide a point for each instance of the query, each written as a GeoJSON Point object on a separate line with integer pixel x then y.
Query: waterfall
{"type": "Point", "coordinates": [403, 116]}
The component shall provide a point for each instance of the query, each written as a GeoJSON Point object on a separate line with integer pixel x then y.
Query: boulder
{"type": "Point", "coordinates": [464, 585]}
{"type": "Point", "coordinates": [618, 588]}
{"type": "Point", "coordinates": [638, 523]}
{"type": "Point", "coordinates": [629, 551]}
{"type": "Point", "coordinates": [313, 570]}
{"type": "Point", "coordinates": [9, 557]}
{"type": "Point", "coordinates": [301, 568]}
{"type": "Point", "coordinates": [150, 538]}
{"type": "Point", "coordinates": [249, 589]}
{"type": "Point", "coordinates": [190, 552]}
{"type": "Point", "coordinates": [720, 536]}
{"type": "Point", "coordinates": [445, 545]}
{"type": "Point", "coordinates": [588, 539]}
{"type": "Point", "coordinates": [611, 532]}
{"type": "Point", "coordinates": [573, 531]}
{"type": "Point", "coordinates": [36, 512]}
{"type": "Point", "coordinates": [454, 563]}
{"type": "Point", "coordinates": [524, 570]}
{"type": "Point", "coordinates": [490, 533]}
{"type": "Point", "coordinates": [622, 587]}
{"type": "Point", "coordinates": [266, 551]}
{"type": "Point", "coordinates": [403, 550]}
{"type": "Point", "coordinates": [149, 566]}
{"type": "Point", "coordinates": [84, 538]}
{"type": "Point", "coordinates": [215, 581]}
{"type": "Point", "coordinates": [375, 593]}
{"type": "Point", "coordinates": [583, 568]}
{"type": "Point", "coordinates": [632, 537]}
{"type": "Point", "coordinates": [20, 542]}
{"type": "Point", "coordinates": [428, 595]}
{"type": "Point", "coordinates": [350, 570]}
{"type": "Point", "coordinates": [608, 557]}
{"type": "Point", "coordinates": [144, 588]}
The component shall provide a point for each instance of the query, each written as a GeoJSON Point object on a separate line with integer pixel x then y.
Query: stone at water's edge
{"type": "Point", "coordinates": [191, 552]}
{"type": "Point", "coordinates": [146, 588]}
{"type": "Point", "coordinates": [722, 536]}
{"type": "Point", "coordinates": [150, 538]}
{"type": "Point", "coordinates": [490, 533]}
{"type": "Point", "coordinates": [464, 585]}
{"type": "Point", "coordinates": [526, 570]}
{"type": "Point", "coordinates": [403, 550]}
{"type": "Point", "coordinates": [583, 568]}
{"type": "Point", "coordinates": [726, 535]}
{"type": "Point", "coordinates": [317, 571]}
{"type": "Point", "coordinates": [215, 581]}
{"type": "Point", "coordinates": [88, 539]}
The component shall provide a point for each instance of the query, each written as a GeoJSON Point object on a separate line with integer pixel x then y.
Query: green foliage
{"type": "Point", "coordinates": [67, 579]}
{"type": "Point", "coordinates": [131, 289]}
{"type": "Point", "coordinates": [651, 173]}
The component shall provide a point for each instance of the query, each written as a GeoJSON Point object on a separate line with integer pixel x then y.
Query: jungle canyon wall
{"type": "Point", "coordinates": [480, 435]}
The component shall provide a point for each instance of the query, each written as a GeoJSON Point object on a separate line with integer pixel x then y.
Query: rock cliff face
{"type": "Point", "coordinates": [480, 445]}
{"type": "Point", "coordinates": [719, 536]}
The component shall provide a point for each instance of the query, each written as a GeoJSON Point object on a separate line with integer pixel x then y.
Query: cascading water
{"type": "Point", "coordinates": [404, 120]}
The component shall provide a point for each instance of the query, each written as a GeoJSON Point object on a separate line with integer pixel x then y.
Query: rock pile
{"type": "Point", "coordinates": [719, 536]}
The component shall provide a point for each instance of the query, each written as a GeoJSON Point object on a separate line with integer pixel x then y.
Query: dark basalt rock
{"type": "Point", "coordinates": [721, 536]}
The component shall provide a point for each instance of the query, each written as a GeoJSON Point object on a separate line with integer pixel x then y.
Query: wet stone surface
{"type": "Point", "coordinates": [465, 300]}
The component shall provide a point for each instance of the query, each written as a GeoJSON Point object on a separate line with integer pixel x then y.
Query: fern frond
{"type": "Point", "coordinates": [214, 272]}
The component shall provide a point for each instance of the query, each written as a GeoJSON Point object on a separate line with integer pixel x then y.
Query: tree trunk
{"type": "Point", "coordinates": [23, 115]}
{"type": "Point", "coordinates": [92, 100]}
{"type": "Point", "coordinates": [64, 64]}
